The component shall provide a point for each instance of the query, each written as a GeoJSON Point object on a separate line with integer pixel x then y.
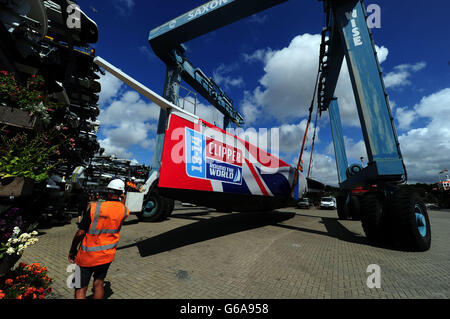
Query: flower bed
{"type": "Point", "coordinates": [13, 241]}
{"type": "Point", "coordinates": [31, 98]}
{"type": "Point", "coordinates": [26, 282]}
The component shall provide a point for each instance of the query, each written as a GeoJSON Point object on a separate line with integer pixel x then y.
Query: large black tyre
{"type": "Point", "coordinates": [410, 222]}
{"type": "Point", "coordinates": [342, 207]}
{"type": "Point", "coordinates": [153, 209]}
{"type": "Point", "coordinates": [170, 205]}
{"type": "Point", "coordinates": [355, 208]}
{"type": "Point", "coordinates": [373, 219]}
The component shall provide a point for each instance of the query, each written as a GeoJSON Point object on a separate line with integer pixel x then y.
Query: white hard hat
{"type": "Point", "coordinates": [117, 185]}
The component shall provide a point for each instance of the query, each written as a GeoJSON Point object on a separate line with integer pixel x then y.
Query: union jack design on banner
{"type": "Point", "coordinates": [200, 156]}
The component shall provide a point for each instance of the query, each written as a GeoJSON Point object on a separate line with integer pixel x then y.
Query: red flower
{"type": "Point", "coordinates": [4, 72]}
{"type": "Point", "coordinates": [22, 265]}
{"type": "Point", "coordinates": [8, 282]}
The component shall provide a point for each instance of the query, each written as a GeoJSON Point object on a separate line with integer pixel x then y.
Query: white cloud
{"type": "Point", "coordinates": [110, 87]}
{"type": "Point", "coordinates": [129, 107]}
{"type": "Point", "coordinates": [287, 87]}
{"type": "Point", "coordinates": [323, 169]}
{"type": "Point", "coordinates": [284, 94]}
{"type": "Point", "coordinates": [221, 77]}
{"type": "Point", "coordinates": [145, 50]}
{"type": "Point", "coordinates": [207, 113]}
{"type": "Point", "coordinates": [126, 119]}
{"type": "Point", "coordinates": [111, 149]}
{"type": "Point", "coordinates": [285, 139]}
{"type": "Point", "coordinates": [354, 150]}
{"type": "Point", "coordinates": [405, 117]}
{"type": "Point", "coordinates": [400, 75]}
{"type": "Point", "coordinates": [261, 55]}
{"type": "Point", "coordinates": [258, 18]}
{"type": "Point", "coordinates": [427, 149]}
{"type": "Point", "coordinates": [124, 6]}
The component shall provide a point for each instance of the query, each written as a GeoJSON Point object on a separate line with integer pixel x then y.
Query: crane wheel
{"type": "Point", "coordinates": [154, 208]}
{"type": "Point", "coordinates": [342, 207]}
{"type": "Point", "coordinates": [373, 219]}
{"type": "Point", "coordinates": [170, 205]}
{"type": "Point", "coordinates": [410, 221]}
{"type": "Point", "coordinates": [355, 208]}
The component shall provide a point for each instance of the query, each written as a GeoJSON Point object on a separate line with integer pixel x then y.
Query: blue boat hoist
{"type": "Point", "coordinates": [388, 213]}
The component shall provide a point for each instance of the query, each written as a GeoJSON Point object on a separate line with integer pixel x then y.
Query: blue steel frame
{"type": "Point", "coordinates": [350, 35]}
{"type": "Point", "coordinates": [171, 91]}
{"type": "Point", "coordinates": [207, 88]}
{"type": "Point", "coordinates": [166, 41]}
{"type": "Point", "coordinates": [338, 141]}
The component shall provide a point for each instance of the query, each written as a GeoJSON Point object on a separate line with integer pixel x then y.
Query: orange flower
{"type": "Point", "coordinates": [2, 295]}
{"type": "Point", "coordinates": [19, 297]}
{"type": "Point", "coordinates": [8, 282]}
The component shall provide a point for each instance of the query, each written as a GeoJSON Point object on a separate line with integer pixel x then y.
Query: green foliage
{"type": "Point", "coordinates": [31, 98]}
{"type": "Point", "coordinates": [22, 156]}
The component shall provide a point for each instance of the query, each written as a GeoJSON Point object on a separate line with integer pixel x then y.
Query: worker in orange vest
{"type": "Point", "coordinates": [98, 234]}
{"type": "Point", "coordinates": [131, 185]}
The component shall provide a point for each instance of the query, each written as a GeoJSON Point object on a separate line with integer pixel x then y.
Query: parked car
{"type": "Point", "coordinates": [304, 203]}
{"type": "Point", "coordinates": [328, 203]}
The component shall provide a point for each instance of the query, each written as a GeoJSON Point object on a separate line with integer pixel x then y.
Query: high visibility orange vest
{"type": "Point", "coordinates": [100, 243]}
{"type": "Point", "coordinates": [132, 185]}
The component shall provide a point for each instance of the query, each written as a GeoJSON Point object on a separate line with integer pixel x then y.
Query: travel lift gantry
{"type": "Point", "coordinates": [388, 213]}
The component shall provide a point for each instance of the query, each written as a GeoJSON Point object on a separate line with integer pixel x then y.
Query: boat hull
{"type": "Point", "coordinates": [205, 165]}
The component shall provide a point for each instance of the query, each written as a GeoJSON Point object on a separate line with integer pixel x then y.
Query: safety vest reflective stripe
{"type": "Point", "coordinates": [94, 231]}
{"type": "Point", "coordinates": [75, 174]}
{"type": "Point", "coordinates": [96, 216]}
{"type": "Point", "coordinates": [99, 248]}
{"type": "Point", "coordinates": [124, 217]}
{"type": "Point", "coordinates": [103, 231]}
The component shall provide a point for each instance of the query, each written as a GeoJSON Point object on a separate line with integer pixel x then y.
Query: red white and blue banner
{"type": "Point", "coordinates": [200, 156]}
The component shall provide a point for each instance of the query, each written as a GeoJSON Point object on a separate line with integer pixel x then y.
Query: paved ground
{"type": "Point", "coordinates": [200, 253]}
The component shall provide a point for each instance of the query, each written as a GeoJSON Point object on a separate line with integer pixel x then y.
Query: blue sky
{"type": "Point", "coordinates": [267, 63]}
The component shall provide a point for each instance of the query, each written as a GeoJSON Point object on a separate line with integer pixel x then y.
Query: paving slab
{"type": "Point", "coordinates": [199, 253]}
